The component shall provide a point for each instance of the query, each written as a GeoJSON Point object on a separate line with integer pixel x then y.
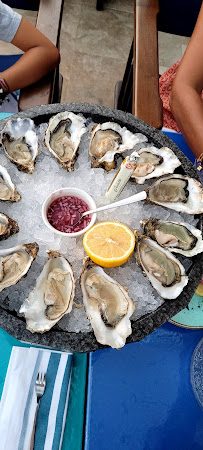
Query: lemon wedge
{"type": "Point", "coordinates": [109, 244]}
{"type": "Point", "coordinates": [199, 290]}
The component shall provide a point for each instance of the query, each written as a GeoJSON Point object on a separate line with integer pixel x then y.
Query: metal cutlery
{"type": "Point", "coordinates": [40, 385]}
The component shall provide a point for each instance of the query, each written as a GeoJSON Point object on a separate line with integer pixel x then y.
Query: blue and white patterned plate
{"type": "Point", "coordinates": [192, 316]}
{"type": "Point", "coordinates": [196, 372]}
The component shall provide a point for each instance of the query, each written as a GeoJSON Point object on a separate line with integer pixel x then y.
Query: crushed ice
{"type": "Point", "coordinates": [49, 176]}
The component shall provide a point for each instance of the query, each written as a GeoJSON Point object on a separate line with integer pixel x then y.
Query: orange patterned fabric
{"type": "Point", "coordinates": [165, 84]}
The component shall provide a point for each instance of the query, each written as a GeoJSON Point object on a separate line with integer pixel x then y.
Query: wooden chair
{"type": "Point", "coordinates": [138, 92]}
{"type": "Point", "coordinates": [48, 89]}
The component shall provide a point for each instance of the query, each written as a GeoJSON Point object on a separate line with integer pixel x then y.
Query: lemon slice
{"type": "Point", "coordinates": [109, 244]}
{"type": "Point", "coordinates": [199, 290]}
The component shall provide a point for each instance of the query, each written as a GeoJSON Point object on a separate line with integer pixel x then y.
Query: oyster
{"type": "Point", "coordinates": [20, 143]}
{"type": "Point", "coordinates": [178, 192]}
{"type": "Point", "coordinates": [8, 226]}
{"type": "Point", "coordinates": [15, 263]}
{"type": "Point", "coordinates": [154, 162]}
{"type": "Point", "coordinates": [109, 139]}
{"type": "Point", "coordinates": [7, 189]}
{"type": "Point", "coordinates": [52, 296]}
{"type": "Point", "coordinates": [165, 272]}
{"type": "Point", "coordinates": [107, 305]}
{"type": "Point", "coordinates": [177, 237]}
{"type": "Point", "coordinates": [63, 136]}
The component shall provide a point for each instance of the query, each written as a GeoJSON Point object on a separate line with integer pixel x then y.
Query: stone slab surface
{"type": "Point", "coordinates": [85, 342]}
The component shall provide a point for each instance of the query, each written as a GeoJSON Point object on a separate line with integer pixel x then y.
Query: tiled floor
{"type": "Point", "coordinates": [94, 48]}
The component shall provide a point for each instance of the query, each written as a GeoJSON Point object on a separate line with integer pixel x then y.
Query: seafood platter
{"type": "Point", "coordinates": [51, 292]}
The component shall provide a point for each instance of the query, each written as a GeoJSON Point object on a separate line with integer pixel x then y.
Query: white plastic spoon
{"type": "Point", "coordinates": [126, 201]}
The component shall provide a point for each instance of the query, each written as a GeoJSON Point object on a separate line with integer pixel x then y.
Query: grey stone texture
{"type": "Point", "coordinates": [85, 342]}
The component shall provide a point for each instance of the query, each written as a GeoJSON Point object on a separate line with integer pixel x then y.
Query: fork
{"type": "Point", "coordinates": [40, 385]}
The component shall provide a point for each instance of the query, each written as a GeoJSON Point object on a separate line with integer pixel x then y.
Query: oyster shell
{"type": "Point", "coordinates": [107, 305]}
{"type": "Point", "coordinates": [7, 189]}
{"type": "Point", "coordinates": [52, 296]}
{"type": "Point", "coordinates": [165, 272]}
{"type": "Point", "coordinates": [109, 139]}
{"type": "Point", "coordinates": [63, 136]}
{"type": "Point", "coordinates": [8, 226]}
{"type": "Point", "coordinates": [20, 143]}
{"type": "Point", "coordinates": [15, 263]}
{"type": "Point", "coordinates": [178, 192]}
{"type": "Point", "coordinates": [177, 237]}
{"type": "Point", "coordinates": [154, 162]}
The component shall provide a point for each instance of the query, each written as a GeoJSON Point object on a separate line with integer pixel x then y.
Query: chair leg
{"type": "Point", "coordinates": [99, 5]}
{"type": "Point", "coordinates": [60, 86]}
{"type": "Point", "coordinates": [58, 83]}
{"type": "Point", "coordinates": [117, 93]}
{"type": "Point", "coordinates": [124, 101]}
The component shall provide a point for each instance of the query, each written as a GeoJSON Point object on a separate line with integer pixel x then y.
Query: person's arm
{"type": "Point", "coordinates": [40, 57]}
{"type": "Point", "coordinates": [185, 101]}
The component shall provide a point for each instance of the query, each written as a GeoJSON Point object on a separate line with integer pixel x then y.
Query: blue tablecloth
{"type": "Point", "coordinates": [141, 397]}
{"type": "Point", "coordinates": [180, 142]}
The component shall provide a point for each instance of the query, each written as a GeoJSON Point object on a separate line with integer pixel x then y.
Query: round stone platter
{"type": "Point", "coordinates": [85, 342]}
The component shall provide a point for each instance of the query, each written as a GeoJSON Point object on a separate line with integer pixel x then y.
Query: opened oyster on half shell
{"type": "Point", "coordinates": [154, 162]}
{"type": "Point", "coordinates": [109, 139]}
{"type": "Point", "coordinates": [8, 226]}
{"type": "Point", "coordinates": [7, 189]}
{"type": "Point", "coordinates": [178, 192]}
{"type": "Point", "coordinates": [52, 296]}
{"type": "Point", "coordinates": [63, 136]}
{"type": "Point", "coordinates": [20, 143]}
{"type": "Point", "coordinates": [177, 237]}
{"type": "Point", "coordinates": [107, 305]}
{"type": "Point", "coordinates": [15, 263]}
{"type": "Point", "coordinates": [166, 274]}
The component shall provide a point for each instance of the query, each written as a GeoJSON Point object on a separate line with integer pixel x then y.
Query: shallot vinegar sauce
{"type": "Point", "coordinates": [63, 211]}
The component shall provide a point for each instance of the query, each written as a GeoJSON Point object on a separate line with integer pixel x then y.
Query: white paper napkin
{"type": "Point", "coordinates": [18, 402]}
